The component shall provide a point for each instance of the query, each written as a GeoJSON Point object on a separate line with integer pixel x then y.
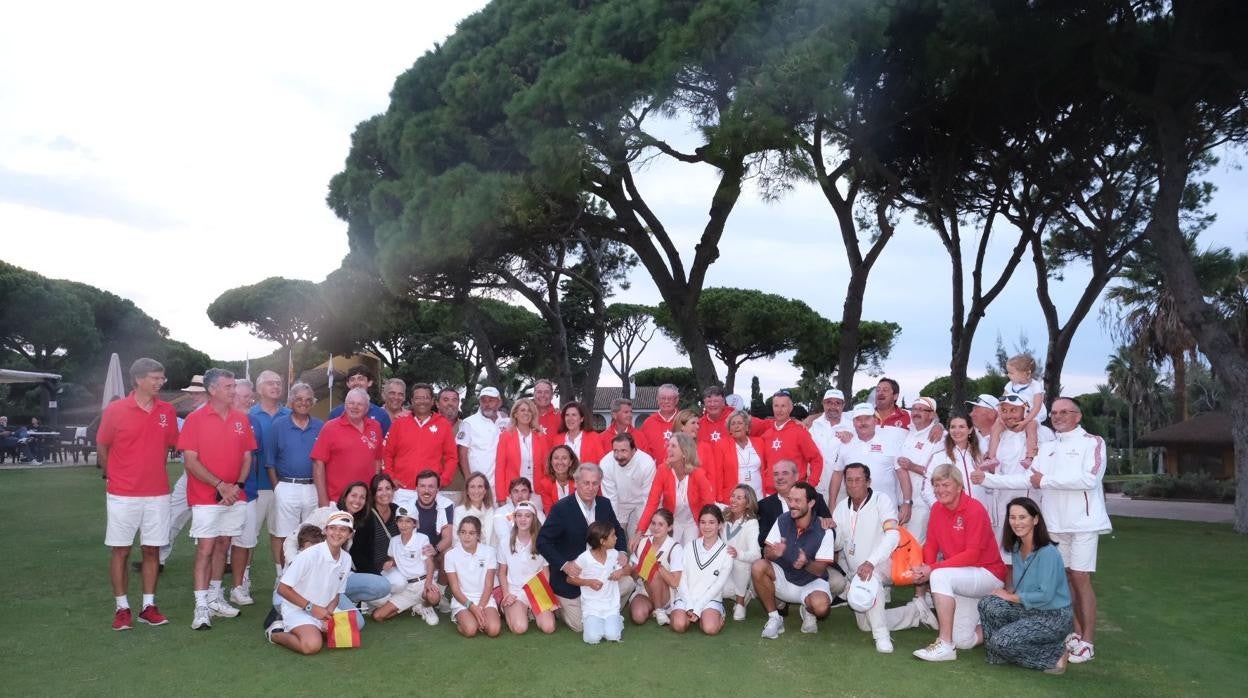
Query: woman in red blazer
{"type": "Point", "coordinates": [741, 457]}
{"type": "Point", "coordinates": [576, 434]}
{"type": "Point", "coordinates": [521, 449]}
{"type": "Point", "coordinates": [560, 471]}
{"type": "Point", "coordinates": [682, 472]}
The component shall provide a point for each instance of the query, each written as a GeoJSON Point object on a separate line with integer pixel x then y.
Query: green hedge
{"type": "Point", "coordinates": [1186, 486]}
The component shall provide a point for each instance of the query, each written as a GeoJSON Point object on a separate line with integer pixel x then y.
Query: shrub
{"type": "Point", "coordinates": [1186, 486]}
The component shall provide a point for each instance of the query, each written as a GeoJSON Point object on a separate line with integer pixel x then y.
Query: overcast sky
{"type": "Point", "coordinates": [169, 153]}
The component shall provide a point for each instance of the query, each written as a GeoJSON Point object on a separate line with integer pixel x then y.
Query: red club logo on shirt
{"type": "Point", "coordinates": [959, 524]}
{"type": "Point", "coordinates": [667, 436]}
{"type": "Point", "coordinates": [164, 421]}
{"type": "Point", "coordinates": [775, 445]}
{"type": "Point", "coordinates": [369, 438]}
{"type": "Point", "coordinates": [433, 428]}
{"type": "Point", "coordinates": [919, 446]}
{"type": "Point", "coordinates": [714, 436]}
{"type": "Point", "coordinates": [877, 448]}
{"type": "Point", "coordinates": [238, 428]}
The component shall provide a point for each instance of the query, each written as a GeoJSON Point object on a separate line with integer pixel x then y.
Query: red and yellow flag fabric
{"type": "Point", "coordinates": [648, 560]}
{"type": "Point", "coordinates": [541, 596]}
{"type": "Point", "coordinates": [342, 630]}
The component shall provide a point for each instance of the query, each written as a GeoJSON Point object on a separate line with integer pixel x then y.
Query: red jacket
{"type": "Point", "coordinates": [964, 536]}
{"type": "Point", "coordinates": [657, 432]}
{"type": "Point", "coordinates": [791, 442]}
{"type": "Point", "coordinates": [639, 440]}
{"type": "Point", "coordinates": [729, 468]}
{"type": "Point", "coordinates": [507, 460]}
{"type": "Point", "coordinates": [411, 448]}
{"type": "Point", "coordinates": [663, 493]}
{"type": "Point", "coordinates": [591, 446]}
{"type": "Point", "coordinates": [549, 493]}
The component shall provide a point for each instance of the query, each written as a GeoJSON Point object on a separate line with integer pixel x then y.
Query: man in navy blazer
{"type": "Point", "coordinates": [562, 539]}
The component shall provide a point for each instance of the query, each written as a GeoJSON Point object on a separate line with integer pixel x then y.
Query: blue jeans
{"type": "Point", "coordinates": [362, 586]}
{"type": "Point", "coordinates": [596, 628]}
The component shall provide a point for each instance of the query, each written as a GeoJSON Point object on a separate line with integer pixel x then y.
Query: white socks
{"type": "Point", "coordinates": [122, 602]}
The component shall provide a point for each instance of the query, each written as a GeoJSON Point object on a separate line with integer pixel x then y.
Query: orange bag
{"type": "Point", "coordinates": [907, 556]}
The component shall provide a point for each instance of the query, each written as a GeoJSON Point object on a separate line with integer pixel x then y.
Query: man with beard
{"type": "Point", "coordinates": [478, 437]}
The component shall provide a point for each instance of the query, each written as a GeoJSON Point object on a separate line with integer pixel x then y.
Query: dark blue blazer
{"type": "Point", "coordinates": [562, 538]}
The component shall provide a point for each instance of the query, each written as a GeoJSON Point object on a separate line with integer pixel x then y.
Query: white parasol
{"type": "Point", "coordinates": [114, 383]}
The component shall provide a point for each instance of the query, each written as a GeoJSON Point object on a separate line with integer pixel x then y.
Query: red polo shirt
{"type": "Point", "coordinates": [791, 441]}
{"type": "Point", "coordinates": [897, 418]}
{"type": "Point", "coordinates": [349, 454]}
{"type": "Point", "coordinates": [138, 444]}
{"type": "Point", "coordinates": [712, 431]}
{"type": "Point", "coordinates": [964, 536]}
{"type": "Point", "coordinates": [549, 421]}
{"type": "Point", "coordinates": [220, 442]}
{"type": "Point", "coordinates": [412, 447]}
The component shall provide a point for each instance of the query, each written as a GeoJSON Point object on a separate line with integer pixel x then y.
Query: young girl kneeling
{"type": "Point", "coordinates": [470, 570]}
{"type": "Point", "coordinates": [707, 568]}
{"type": "Point", "coordinates": [518, 563]}
{"type": "Point", "coordinates": [602, 568]}
{"type": "Point", "coordinates": [654, 596]}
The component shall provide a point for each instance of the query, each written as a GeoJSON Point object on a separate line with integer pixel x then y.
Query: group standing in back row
{"type": "Point", "coordinates": [833, 503]}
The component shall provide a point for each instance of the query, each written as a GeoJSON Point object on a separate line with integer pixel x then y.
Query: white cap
{"type": "Point", "coordinates": [341, 518]}
{"type": "Point", "coordinates": [490, 392]}
{"type": "Point", "coordinates": [834, 393]}
{"type": "Point", "coordinates": [984, 400]}
{"type": "Point", "coordinates": [735, 401]}
{"type": "Point", "coordinates": [862, 409]}
{"type": "Point", "coordinates": [863, 595]}
{"type": "Point", "coordinates": [931, 404]}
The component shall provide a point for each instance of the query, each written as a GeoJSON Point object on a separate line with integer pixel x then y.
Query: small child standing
{"type": "Point", "coordinates": [410, 564]}
{"type": "Point", "coordinates": [1021, 370]}
{"type": "Point", "coordinates": [311, 587]}
{"type": "Point", "coordinates": [602, 568]}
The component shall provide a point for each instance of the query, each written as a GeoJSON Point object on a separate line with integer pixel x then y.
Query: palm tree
{"type": "Point", "coordinates": [1143, 311]}
{"type": "Point", "coordinates": [1132, 378]}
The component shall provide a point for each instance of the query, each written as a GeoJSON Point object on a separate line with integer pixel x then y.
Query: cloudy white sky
{"type": "Point", "coordinates": [169, 153]}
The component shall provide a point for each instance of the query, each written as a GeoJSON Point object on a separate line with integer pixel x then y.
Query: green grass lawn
{"type": "Point", "coordinates": [1171, 623]}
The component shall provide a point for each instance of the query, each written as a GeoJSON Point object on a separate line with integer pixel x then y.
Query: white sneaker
{"type": "Point", "coordinates": [1072, 642]}
{"type": "Point", "coordinates": [774, 627]}
{"type": "Point", "coordinates": [937, 652]}
{"type": "Point", "coordinates": [444, 606]}
{"type": "Point", "coordinates": [220, 608]}
{"type": "Point", "coordinates": [926, 617]}
{"type": "Point", "coordinates": [884, 644]}
{"type": "Point", "coordinates": [241, 596]}
{"type": "Point", "coordinates": [1082, 654]}
{"type": "Point", "coordinates": [202, 619]}
{"type": "Point", "coordinates": [738, 612]}
{"type": "Point", "coordinates": [430, 615]}
{"type": "Point", "coordinates": [661, 617]}
{"type": "Point", "coordinates": [810, 624]}
{"type": "Point", "coordinates": [276, 626]}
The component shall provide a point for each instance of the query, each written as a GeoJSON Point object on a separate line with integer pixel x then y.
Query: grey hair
{"type": "Point", "coordinates": [743, 414]}
{"type": "Point", "coordinates": [619, 402]}
{"type": "Point", "coordinates": [547, 381]}
{"type": "Point", "coordinates": [212, 375]}
{"type": "Point", "coordinates": [241, 382]}
{"type": "Point", "coordinates": [141, 367]}
{"type": "Point", "coordinates": [587, 467]}
{"type": "Point", "coordinates": [299, 388]}
{"type": "Point", "coordinates": [357, 391]}
{"type": "Point", "coordinates": [948, 471]}
{"type": "Point", "coordinates": [668, 387]}
{"type": "Point", "coordinates": [392, 381]}
{"type": "Point", "coordinates": [266, 375]}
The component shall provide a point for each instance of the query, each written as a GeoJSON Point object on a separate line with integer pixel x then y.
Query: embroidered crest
{"type": "Point", "coordinates": [667, 435]}
{"type": "Point", "coordinates": [919, 446]}
{"type": "Point", "coordinates": [238, 428]}
{"type": "Point", "coordinates": [715, 436]}
{"type": "Point", "coordinates": [877, 448]}
{"type": "Point", "coordinates": [775, 445]}
{"type": "Point", "coordinates": [460, 435]}
{"type": "Point", "coordinates": [959, 524]}
{"type": "Point", "coordinates": [433, 428]}
{"type": "Point", "coordinates": [164, 420]}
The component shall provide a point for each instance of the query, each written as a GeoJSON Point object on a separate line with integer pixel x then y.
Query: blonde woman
{"type": "Point", "coordinates": [711, 462]}
{"type": "Point", "coordinates": [519, 562]}
{"type": "Point", "coordinates": [680, 487]}
{"type": "Point", "coordinates": [741, 535]}
{"type": "Point", "coordinates": [522, 448]}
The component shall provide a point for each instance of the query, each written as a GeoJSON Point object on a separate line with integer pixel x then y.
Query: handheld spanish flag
{"type": "Point", "coordinates": [648, 560]}
{"type": "Point", "coordinates": [541, 596]}
{"type": "Point", "coordinates": [342, 630]}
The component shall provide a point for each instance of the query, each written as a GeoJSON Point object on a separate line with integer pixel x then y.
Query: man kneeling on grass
{"type": "Point", "coordinates": [312, 586]}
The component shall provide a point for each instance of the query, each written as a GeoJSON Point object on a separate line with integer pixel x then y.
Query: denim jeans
{"type": "Point", "coordinates": [366, 587]}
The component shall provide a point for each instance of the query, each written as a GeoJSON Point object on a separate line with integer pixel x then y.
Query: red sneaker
{"type": "Point", "coordinates": [121, 619]}
{"type": "Point", "coordinates": [152, 616]}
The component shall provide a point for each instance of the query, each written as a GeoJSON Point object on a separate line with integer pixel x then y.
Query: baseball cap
{"type": "Point", "coordinates": [404, 513]}
{"type": "Point", "coordinates": [341, 518]}
{"type": "Point", "coordinates": [527, 506]}
{"type": "Point", "coordinates": [984, 400]}
{"type": "Point", "coordinates": [863, 595]}
{"type": "Point", "coordinates": [929, 402]}
{"type": "Point", "coordinates": [834, 393]}
{"type": "Point", "coordinates": [490, 392]}
{"type": "Point", "coordinates": [862, 409]}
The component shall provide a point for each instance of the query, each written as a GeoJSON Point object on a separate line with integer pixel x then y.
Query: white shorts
{"type": "Point", "coordinates": [293, 617]}
{"type": "Point", "coordinates": [292, 505]}
{"type": "Point", "coordinates": [214, 520]}
{"type": "Point", "coordinates": [147, 516]}
{"type": "Point", "coordinates": [1078, 550]}
{"type": "Point", "coordinates": [412, 594]}
{"type": "Point", "coordinates": [456, 606]}
{"type": "Point", "coordinates": [717, 606]}
{"type": "Point", "coordinates": [259, 511]}
{"type": "Point", "coordinates": [789, 592]}
{"type": "Point", "coordinates": [967, 585]}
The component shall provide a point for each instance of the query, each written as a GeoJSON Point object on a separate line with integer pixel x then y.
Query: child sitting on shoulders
{"type": "Point", "coordinates": [1021, 369]}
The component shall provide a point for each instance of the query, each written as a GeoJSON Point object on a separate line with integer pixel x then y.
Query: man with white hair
{"type": "Point", "coordinates": [548, 417]}
{"type": "Point", "coordinates": [478, 436]}
{"type": "Point", "coordinates": [659, 426]}
{"type": "Point", "coordinates": [348, 449]}
{"type": "Point", "coordinates": [360, 376]}
{"type": "Point", "coordinates": [875, 449]}
{"type": "Point", "coordinates": [622, 423]}
{"type": "Point", "coordinates": [827, 430]}
{"type": "Point", "coordinates": [393, 395]}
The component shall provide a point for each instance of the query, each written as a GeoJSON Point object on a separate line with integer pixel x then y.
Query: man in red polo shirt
{"type": "Point", "coordinates": [658, 427]}
{"type": "Point", "coordinates": [421, 440]}
{"type": "Point", "coordinates": [622, 423]}
{"type": "Point", "coordinates": [788, 439]}
{"type": "Point", "coordinates": [548, 418]}
{"type": "Point", "coordinates": [217, 444]}
{"type": "Point", "coordinates": [348, 449]}
{"type": "Point", "coordinates": [134, 439]}
{"type": "Point", "coordinates": [887, 413]}
{"type": "Point", "coordinates": [714, 424]}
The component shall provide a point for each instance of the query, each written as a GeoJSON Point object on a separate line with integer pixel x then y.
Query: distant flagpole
{"type": "Point", "coordinates": [290, 366]}
{"type": "Point", "coordinates": [329, 378]}
{"type": "Point", "coordinates": [247, 367]}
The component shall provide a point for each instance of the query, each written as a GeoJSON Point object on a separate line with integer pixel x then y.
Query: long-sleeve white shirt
{"type": "Point", "coordinates": [1072, 467]}
{"type": "Point", "coordinates": [627, 486]}
{"type": "Point", "coordinates": [860, 534]}
{"type": "Point", "coordinates": [705, 574]}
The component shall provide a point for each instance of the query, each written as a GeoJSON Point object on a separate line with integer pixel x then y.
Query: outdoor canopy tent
{"type": "Point", "coordinates": [51, 385]}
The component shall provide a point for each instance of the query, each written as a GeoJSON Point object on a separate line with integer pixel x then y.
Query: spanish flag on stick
{"type": "Point", "coordinates": [648, 560]}
{"type": "Point", "coordinates": [541, 596]}
{"type": "Point", "coordinates": [342, 630]}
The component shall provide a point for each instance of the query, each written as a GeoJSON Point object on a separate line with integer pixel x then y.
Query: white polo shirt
{"type": "Point", "coordinates": [824, 434]}
{"type": "Point", "coordinates": [920, 450]}
{"type": "Point", "coordinates": [409, 557]}
{"type": "Point", "coordinates": [480, 435]}
{"type": "Point", "coordinates": [317, 576]}
{"type": "Point", "coordinates": [880, 455]}
{"type": "Point", "coordinates": [627, 486]}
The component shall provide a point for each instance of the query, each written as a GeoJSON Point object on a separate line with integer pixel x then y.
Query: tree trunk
{"type": "Point", "coordinates": [851, 320]}
{"type": "Point", "coordinates": [599, 343]}
{"type": "Point", "coordinates": [730, 378]}
{"type": "Point", "coordinates": [485, 349]}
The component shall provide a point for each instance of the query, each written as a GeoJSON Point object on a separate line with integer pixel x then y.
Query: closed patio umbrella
{"type": "Point", "coordinates": [114, 383]}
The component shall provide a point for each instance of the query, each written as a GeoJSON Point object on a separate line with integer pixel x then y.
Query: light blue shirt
{"type": "Point", "coordinates": [1040, 580]}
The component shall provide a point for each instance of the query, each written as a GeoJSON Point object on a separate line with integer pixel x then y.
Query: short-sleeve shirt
{"type": "Point", "coordinates": [349, 454]}
{"type": "Point", "coordinates": [604, 602]}
{"type": "Point", "coordinates": [377, 412]}
{"type": "Point", "coordinates": [262, 424]}
{"type": "Point", "coordinates": [522, 565]}
{"type": "Point", "coordinates": [317, 576]}
{"type": "Point", "coordinates": [470, 568]}
{"type": "Point", "coordinates": [221, 444]}
{"type": "Point", "coordinates": [292, 446]}
{"type": "Point", "coordinates": [671, 554]}
{"type": "Point", "coordinates": [480, 436]}
{"type": "Point", "coordinates": [138, 444]}
{"type": "Point", "coordinates": [409, 558]}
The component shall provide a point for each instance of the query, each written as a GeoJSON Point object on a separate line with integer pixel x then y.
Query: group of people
{"type": "Point", "coordinates": [992, 517]}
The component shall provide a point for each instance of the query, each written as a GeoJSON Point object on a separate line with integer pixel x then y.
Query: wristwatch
{"type": "Point", "coordinates": [308, 607]}
{"type": "Point", "coordinates": [909, 502]}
